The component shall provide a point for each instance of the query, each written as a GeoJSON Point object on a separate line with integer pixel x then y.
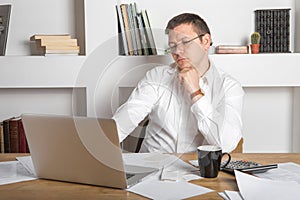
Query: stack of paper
{"type": "Point", "coordinates": [282, 183]}
{"type": "Point", "coordinates": [170, 182]}
{"type": "Point", "coordinates": [17, 171]}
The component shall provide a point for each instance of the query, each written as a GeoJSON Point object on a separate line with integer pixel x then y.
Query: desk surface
{"type": "Point", "coordinates": [45, 189]}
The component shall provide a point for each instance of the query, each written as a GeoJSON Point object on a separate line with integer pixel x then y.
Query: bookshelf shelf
{"type": "Point", "coordinates": [39, 71]}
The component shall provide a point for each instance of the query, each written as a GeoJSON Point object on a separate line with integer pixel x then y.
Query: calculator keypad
{"type": "Point", "coordinates": [241, 164]}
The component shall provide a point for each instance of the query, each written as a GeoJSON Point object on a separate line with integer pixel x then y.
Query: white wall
{"type": "Point", "coordinates": [268, 119]}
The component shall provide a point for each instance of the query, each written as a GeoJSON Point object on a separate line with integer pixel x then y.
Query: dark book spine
{"type": "Point", "coordinates": [265, 29]}
{"type": "Point", "coordinates": [286, 34]}
{"type": "Point", "coordinates": [22, 138]}
{"type": "Point", "coordinates": [6, 136]}
{"type": "Point", "coordinates": [14, 136]}
{"type": "Point", "coordinates": [268, 32]}
{"type": "Point", "coordinates": [275, 30]}
{"type": "Point", "coordinates": [281, 30]}
{"type": "Point", "coordinates": [1, 138]}
{"type": "Point", "coordinates": [271, 35]}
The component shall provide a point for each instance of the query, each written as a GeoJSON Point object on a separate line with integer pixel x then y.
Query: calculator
{"type": "Point", "coordinates": [246, 166]}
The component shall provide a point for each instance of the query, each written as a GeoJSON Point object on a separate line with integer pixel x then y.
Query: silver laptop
{"type": "Point", "coordinates": [79, 149]}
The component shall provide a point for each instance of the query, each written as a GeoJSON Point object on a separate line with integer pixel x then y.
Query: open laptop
{"type": "Point", "coordinates": [79, 149]}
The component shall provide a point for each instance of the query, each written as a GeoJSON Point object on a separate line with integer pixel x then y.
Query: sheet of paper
{"type": "Point", "coordinates": [17, 173]}
{"type": "Point", "coordinates": [8, 169]}
{"type": "Point", "coordinates": [285, 172]}
{"type": "Point", "coordinates": [233, 195]}
{"type": "Point", "coordinates": [194, 162]}
{"type": "Point", "coordinates": [223, 195]}
{"type": "Point", "coordinates": [252, 187]}
{"type": "Point", "coordinates": [162, 190]}
{"type": "Point", "coordinates": [155, 160]}
{"type": "Point", "coordinates": [171, 167]}
{"type": "Point", "coordinates": [26, 161]}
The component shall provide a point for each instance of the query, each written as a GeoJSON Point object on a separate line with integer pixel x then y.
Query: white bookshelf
{"type": "Point", "coordinates": [49, 81]}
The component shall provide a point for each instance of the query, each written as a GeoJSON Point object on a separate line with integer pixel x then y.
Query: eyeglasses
{"type": "Point", "coordinates": [184, 43]}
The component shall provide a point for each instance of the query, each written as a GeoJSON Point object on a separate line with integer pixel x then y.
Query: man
{"type": "Point", "coordinates": [190, 102]}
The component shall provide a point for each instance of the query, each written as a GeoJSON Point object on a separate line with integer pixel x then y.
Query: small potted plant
{"type": "Point", "coordinates": [255, 39]}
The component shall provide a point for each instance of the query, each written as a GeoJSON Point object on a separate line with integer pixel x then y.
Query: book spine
{"type": "Point", "coordinates": [22, 138]}
{"type": "Point", "coordinates": [127, 28]}
{"type": "Point", "coordinates": [264, 37]}
{"type": "Point", "coordinates": [123, 48]}
{"type": "Point", "coordinates": [132, 29]}
{"type": "Point", "coordinates": [268, 31]}
{"type": "Point", "coordinates": [150, 34]}
{"type": "Point", "coordinates": [257, 21]}
{"type": "Point", "coordinates": [136, 30]}
{"type": "Point", "coordinates": [286, 34]}
{"type": "Point", "coordinates": [6, 136]}
{"type": "Point", "coordinates": [14, 136]}
{"type": "Point", "coordinates": [142, 34]}
{"type": "Point", "coordinates": [281, 31]}
{"type": "Point", "coordinates": [275, 30]}
{"type": "Point", "coordinates": [1, 138]}
{"type": "Point", "coordinates": [232, 51]}
{"type": "Point", "coordinates": [271, 31]}
{"type": "Point", "coordinates": [146, 28]}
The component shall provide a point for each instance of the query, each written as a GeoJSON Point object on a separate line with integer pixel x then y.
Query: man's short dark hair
{"type": "Point", "coordinates": [198, 23]}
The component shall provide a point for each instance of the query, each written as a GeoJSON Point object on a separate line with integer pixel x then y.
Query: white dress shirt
{"type": "Point", "coordinates": [175, 123]}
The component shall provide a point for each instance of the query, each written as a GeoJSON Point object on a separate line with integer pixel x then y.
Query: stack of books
{"type": "Point", "coordinates": [274, 28]}
{"type": "Point", "coordinates": [12, 136]}
{"type": "Point", "coordinates": [232, 49]}
{"type": "Point", "coordinates": [135, 33]}
{"type": "Point", "coordinates": [54, 45]}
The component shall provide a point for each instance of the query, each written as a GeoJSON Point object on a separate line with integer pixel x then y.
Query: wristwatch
{"type": "Point", "coordinates": [198, 92]}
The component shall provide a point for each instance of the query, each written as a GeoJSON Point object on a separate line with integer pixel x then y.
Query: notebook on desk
{"type": "Point", "coordinates": [79, 149]}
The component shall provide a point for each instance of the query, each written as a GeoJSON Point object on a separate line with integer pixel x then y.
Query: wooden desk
{"type": "Point", "coordinates": [45, 189]}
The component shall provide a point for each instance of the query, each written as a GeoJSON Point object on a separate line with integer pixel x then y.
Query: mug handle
{"type": "Point", "coordinates": [229, 158]}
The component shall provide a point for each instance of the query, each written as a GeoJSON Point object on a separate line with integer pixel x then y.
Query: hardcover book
{"type": "Point", "coordinates": [1, 138]}
{"type": "Point", "coordinates": [14, 135]}
{"type": "Point", "coordinates": [274, 27]}
{"type": "Point", "coordinates": [232, 49]}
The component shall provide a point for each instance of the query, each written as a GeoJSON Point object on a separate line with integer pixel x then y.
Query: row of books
{"type": "Point", "coordinates": [47, 44]}
{"type": "Point", "coordinates": [12, 136]}
{"type": "Point", "coordinates": [274, 28]}
{"type": "Point", "coordinates": [135, 33]}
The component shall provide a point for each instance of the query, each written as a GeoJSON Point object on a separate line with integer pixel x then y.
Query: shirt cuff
{"type": "Point", "coordinates": [121, 133]}
{"type": "Point", "coordinates": [202, 107]}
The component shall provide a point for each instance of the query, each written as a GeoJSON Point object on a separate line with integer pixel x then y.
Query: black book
{"type": "Point", "coordinates": [274, 27]}
{"type": "Point", "coordinates": [4, 24]}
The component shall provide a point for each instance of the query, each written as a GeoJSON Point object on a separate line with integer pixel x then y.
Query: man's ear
{"type": "Point", "coordinates": [206, 39]}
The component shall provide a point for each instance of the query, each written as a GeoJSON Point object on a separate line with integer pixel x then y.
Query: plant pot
{"type": "Point", "coordinates": [254, 48]}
